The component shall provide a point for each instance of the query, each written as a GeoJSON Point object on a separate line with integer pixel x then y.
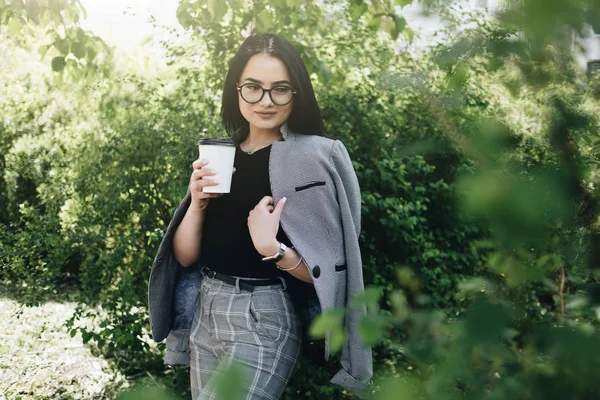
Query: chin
{"type": "Point", "coordinates": [267, 124]}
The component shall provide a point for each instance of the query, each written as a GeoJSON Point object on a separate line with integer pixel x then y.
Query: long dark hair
{"type": "Point", "coordinates": [306, 115]}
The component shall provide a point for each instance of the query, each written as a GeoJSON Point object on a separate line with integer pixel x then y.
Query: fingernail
{"type": "Point", "coordinates": [284, 199]}
{"type": "Point", "coordinates": [203, 161]}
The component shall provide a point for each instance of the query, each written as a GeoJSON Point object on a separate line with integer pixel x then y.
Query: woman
{"type": "Point", "coordinates": [292, 216]}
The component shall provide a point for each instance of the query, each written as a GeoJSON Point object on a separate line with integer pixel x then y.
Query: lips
{"type": "Point", "coordinates": [265, 114]}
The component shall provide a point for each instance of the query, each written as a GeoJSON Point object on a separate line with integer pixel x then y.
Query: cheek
{"type": "Point", "coordinates": [244, 108]}
{"type": "Point", "coordinates": [288, 111]}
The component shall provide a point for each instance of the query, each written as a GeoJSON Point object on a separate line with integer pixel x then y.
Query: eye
{"type": "Point", "coordinates": [281, 89]}
{"type": "Point", "coordinates": [252, 87]}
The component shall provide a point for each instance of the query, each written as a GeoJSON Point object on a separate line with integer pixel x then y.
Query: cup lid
{"type": "Point", "coordinates": [217, 142]}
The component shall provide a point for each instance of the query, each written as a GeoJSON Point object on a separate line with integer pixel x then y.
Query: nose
{"type": "Point", "coordinates": [266, 100]}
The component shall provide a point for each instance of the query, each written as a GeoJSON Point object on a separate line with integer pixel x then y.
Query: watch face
{"type": "Point", "coordinates": [278, 256]}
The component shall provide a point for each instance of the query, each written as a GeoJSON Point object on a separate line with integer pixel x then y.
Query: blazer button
{"type": "Point", "coordinates": [316, 271]}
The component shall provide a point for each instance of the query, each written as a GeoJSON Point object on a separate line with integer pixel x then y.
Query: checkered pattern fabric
{"type": "Point", "coordinates": [258, 331]}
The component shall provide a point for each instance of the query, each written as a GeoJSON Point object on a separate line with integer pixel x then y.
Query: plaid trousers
{"type": "Point", "coordinates": [257, 331]}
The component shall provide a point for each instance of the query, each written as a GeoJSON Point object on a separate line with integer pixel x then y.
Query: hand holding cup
{"type": "Point", "coordinates": [200, 179]}
{"type": "Point", "coordinates": [213, 181]}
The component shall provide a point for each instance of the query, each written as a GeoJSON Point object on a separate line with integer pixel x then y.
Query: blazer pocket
{"type": "Point", "coordinates": [309, 185]}
{"type": "Point", "coordinates": [339, 268]}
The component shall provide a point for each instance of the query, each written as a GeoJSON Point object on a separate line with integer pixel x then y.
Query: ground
{"type": "Point", "coordinates": [40, 360]}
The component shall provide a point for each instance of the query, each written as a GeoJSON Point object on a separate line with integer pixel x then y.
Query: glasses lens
{"type": "Point", "coordinates": [251, 93]}
{"type": "Point", "coordinates": [281, 95]}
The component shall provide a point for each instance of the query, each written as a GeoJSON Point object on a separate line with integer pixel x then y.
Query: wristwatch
{"type": "Point", "coordinates": [277, 256]}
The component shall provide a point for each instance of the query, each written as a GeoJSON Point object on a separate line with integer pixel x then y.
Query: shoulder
{"type": "Point", "coordinates": [329, 151]}
{"type": "Point", "coordinates": [330, 147]}
{"type": "Point", "coordinates": [314, 140]}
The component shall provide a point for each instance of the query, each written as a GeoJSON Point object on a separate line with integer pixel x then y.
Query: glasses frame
{"type": "Point", "coordinates": [239, 89]}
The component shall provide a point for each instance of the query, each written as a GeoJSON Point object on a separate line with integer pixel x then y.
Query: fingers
{"type": "Point", "coordinates": [202, 172]}
{"type": "Point", "coordinates": [234, 169]}
{"type": "Point", "coordinates": [199, 184]}
{"type": "Point", "coordinates": [212, 195]}
{"type": "Point", "coordinates": [199, 163]}
{"type": "Point", "coordinates": [199, 179]}
{"type": "Point", "coordinates": [265, 201]}
{"type": "Point", "coordinates": [279, 207]}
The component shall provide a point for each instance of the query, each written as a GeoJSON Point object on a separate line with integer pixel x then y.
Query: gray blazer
{"type": "Point", "coordinates": [322, 220]}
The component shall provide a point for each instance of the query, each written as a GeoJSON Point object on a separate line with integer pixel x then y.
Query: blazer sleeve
{"type": "Point", "coordinates": [357, 359]}
{"type": "Point", "coordinates": [163, 278]}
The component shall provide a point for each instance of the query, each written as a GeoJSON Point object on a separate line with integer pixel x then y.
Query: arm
{"type": "Point", "coordinates": [357, 359]}
{"type": "Point", "coordinates": [263, 224]}
{"type": "Point", "coordinates": [188, 236]}
{"type": "Point", "coordinates": [292, 261]}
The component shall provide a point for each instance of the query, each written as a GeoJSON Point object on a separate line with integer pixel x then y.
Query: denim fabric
{"type": "Point", "coordinates": [187, 294]}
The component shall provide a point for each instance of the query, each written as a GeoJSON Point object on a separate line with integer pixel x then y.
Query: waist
{"type": "Point", "coordinates": [243, 267]}
{"type": "Point", "coordinates": [243, 283]}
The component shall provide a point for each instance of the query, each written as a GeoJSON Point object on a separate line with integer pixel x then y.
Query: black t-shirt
{"type": "Point", "coordinates": [226, 243]}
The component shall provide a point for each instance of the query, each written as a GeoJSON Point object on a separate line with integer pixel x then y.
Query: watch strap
{"type": "Point", "coordinates": [277, 256]}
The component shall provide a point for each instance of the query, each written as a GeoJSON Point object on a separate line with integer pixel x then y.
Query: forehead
{"type": "Point", "coordinates": [265, 68]}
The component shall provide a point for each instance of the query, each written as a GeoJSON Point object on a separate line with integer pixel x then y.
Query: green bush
{"type": "Point", "coordinates": [479, 197]}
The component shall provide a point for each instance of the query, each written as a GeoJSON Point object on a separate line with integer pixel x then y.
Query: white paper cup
{"type": "Point", "coordinates": [220, 154]}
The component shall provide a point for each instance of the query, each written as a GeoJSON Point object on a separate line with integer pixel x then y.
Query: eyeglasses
{"type": "Point", "coordinates": [253, 93]}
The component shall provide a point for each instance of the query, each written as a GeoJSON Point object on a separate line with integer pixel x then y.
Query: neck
{"type": "Point", "coordinates": [261, 137]}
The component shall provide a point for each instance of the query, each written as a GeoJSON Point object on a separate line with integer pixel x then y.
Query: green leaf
{"type": "Point", "coordinates": [402, 3]}
{"type": "Point", "coordinates": [78, 50]}
{"type": "Point", "coordinates": [42, 50]}
{"type": "Point", "coordinates": [399, 25]}
{"type": "Point", "coordinates": [399, 304]}
{"type": "Point", "coordinates": [58, 64]}
{"type": "Point", "coordinates": [57, 5]}
{"type": "Point", "coordinates": [337, 339]}
{"type": "Point", "coordinates": [229, 383]}
{"type": "Point", "coordinates": [577, 302]}
{"type": "Point", "coordinates": [371, 329]}
{"type": "Point", "coordinates": [265, 20]}
{"type": "Point", "coordinates": [471, 287]}
{"type": "Point", "coordinates": [402, 386]}
{"type": "Point", "coordinates": [549, 262]}
{"type": "Point", "coordinates": [217, 9]}
{"type": "Point", "coordinates": [91, 54]}
{"type": "Point", "coordinates": [14, 27]}
{"type": "Point", "coordinates": [369, 297]}
{"type": "Point", "coordinates": [235, 4]}
{"type": "Point", "coordinates": [409, 34]}
{"type": "Point", "coordinates": [63, 45]}
{"type": "Point", "coordinates": [33, 11]}
{"type": "Point", "coordinates": [357, 9]}
{"type": "Point", "coordinates": [293, 3]}
{"type": "Point", "coordinates": [326, 323]}
{"type": "Point", "coordinates": [515, 272]}
{"type": "Point", "coordinates": [81, 35]}
{"type": "Point", "coordinates": [86, 336]}
{"type": "Point", "coordinates": [184, 17]}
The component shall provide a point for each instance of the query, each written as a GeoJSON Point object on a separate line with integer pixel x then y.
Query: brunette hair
{"type": "Point", "coordinates": [306, 115]}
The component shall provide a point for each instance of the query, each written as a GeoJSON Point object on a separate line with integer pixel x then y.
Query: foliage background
{"type": "Point", "coordinates": [477, 163]}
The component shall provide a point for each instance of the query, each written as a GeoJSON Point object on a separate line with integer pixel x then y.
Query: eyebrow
{"type": "Point", "coordinates": [274, 83]}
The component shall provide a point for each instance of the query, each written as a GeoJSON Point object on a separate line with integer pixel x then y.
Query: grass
{"type": "Point", "coordinates": [39, 360]}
